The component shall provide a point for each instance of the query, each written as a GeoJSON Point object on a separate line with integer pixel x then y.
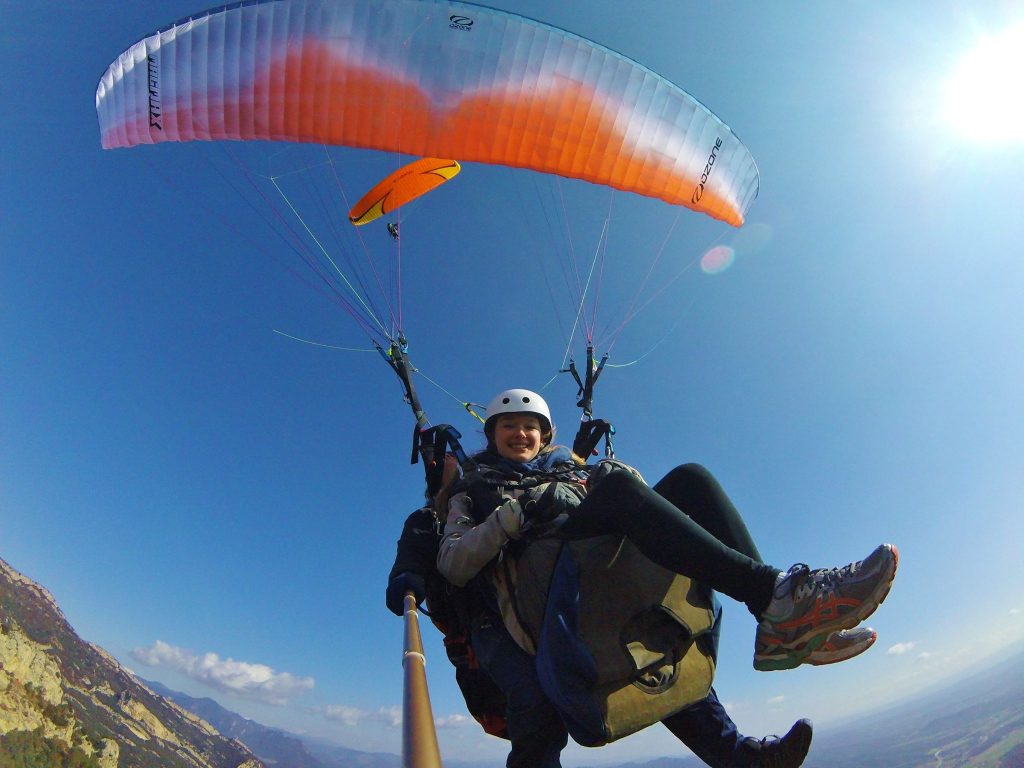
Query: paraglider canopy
{"type": "Point", "coordinates": [401, 187]}
{"type": "Point", "coordinates": [433, 79]}
{"type": "Point", "coordinates": [426, 78]}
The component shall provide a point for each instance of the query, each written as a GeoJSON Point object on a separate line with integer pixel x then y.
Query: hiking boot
{"type": "Point", "coordinates": [839, 646]}
{"type": "Point", "coordinates": [787, 752]}
{"type": "Point", "coordinates": [807, 606]}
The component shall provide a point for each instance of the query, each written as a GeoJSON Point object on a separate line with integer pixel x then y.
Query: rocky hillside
{"type": "Point", "coordinates": [67, 702]}
{"type": "Point", "coordinates": [275, 747]}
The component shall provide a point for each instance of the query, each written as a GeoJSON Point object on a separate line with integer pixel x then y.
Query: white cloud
{"type": "Point", "coordinates": [161, 654]}
{"type": "Point", "coordinates": [924, 655]}
{"type": "Point", "coordinates": [256, 681]}
{"type": "Point", "coordinates": [901, 648]}
{"type": "Point", "coordinates": [346, 715]}
{"type": "Point", "coordinates": [388, 715]}
{"type": "Point", "coordinates": [453, 721]}
{"type": "Point", "coordinates": [774, 701]}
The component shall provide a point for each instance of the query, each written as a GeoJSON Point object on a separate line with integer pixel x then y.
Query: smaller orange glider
{"type": "Point", "coordinates": [398, 188]}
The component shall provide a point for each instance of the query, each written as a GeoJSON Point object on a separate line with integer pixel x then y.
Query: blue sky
{"type": "Point", "coordinates": [216, 504]}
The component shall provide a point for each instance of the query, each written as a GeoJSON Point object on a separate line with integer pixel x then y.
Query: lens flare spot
{"type": "Point", "coordinates": [717, 259]}
{"type": "Point", "coordinates": [752, 238]}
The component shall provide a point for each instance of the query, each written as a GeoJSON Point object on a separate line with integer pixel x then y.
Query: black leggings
{"type": "Point", "coordinates": [686, 524]}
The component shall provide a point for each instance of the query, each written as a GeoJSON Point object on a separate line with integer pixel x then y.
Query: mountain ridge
{"type": "Point", "coordinates": [72, 703]}
{"type": "Point", "coordinates": [70, 700]}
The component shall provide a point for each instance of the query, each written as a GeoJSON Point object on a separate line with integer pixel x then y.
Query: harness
{"type": "Point", "coordinates": [433, 444]}
{"type": "Point", "coordinates": [488, 488]}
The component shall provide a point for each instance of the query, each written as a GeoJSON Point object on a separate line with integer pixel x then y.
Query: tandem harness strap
{"type": "Point", "coordinates": [432, 444]}
{"type": "Point", "coordinates": [591, 430]}
{"type": "Point", "coordinates": [586, 385]}
{"type": "Point", "coordinates": [589, 435]}
{"type": "Point", "coordinates": [397, 357]}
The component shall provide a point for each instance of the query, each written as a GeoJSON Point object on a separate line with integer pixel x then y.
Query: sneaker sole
{"type": "Point", "coordinates": [794, 655]}
{"type": "Point", "coordinates": [811, 654]}
{"type": "Point", "coordinates": [837, 656]}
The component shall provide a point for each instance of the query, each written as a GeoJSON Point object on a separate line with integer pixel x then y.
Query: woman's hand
{"type": "Point", "coordinates": [510, 518]}
{"type": "Point", "coordinates": [544, 503]}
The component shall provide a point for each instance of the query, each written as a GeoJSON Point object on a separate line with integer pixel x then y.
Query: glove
{"type": "Point", "coordinates": [510, 518]}
{"type": "Point", "coordinates": [605, 467]}
{"type": "Point", "coordinates": [407, 581]}
{"type": "Point", "coordinates": [546, 502]}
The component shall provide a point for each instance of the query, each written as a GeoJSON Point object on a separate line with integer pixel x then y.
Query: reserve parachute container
{"type": "Point", "coordinates": [621, 643]}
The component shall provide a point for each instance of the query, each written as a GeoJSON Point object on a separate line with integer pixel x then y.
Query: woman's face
{"type": "Point", "coordinates": [518, 436]}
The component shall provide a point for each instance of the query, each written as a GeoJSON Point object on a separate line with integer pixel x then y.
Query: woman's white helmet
{"type": "Point", "coordinates": [518, 401]}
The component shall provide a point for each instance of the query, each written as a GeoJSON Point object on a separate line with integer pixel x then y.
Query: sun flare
{"type": "Point", "coordinates": [984, 100]}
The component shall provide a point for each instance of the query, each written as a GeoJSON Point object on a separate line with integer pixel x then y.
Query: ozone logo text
{"type": "Point", "coordinates": [698, 191]}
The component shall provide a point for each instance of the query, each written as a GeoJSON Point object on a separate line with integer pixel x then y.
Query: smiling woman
{"type": "Point", "coordinates": [983, 99]}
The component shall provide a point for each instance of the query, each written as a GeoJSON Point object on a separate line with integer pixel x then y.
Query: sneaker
{"type": "Point", "coordinates": [842, 645]}
{"type": "Point", "coordinates": [839, 646]}
{"type": "Point", "coordinates": [787, 752]}
{"type": "Point", "coordinates": [808, 605]}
